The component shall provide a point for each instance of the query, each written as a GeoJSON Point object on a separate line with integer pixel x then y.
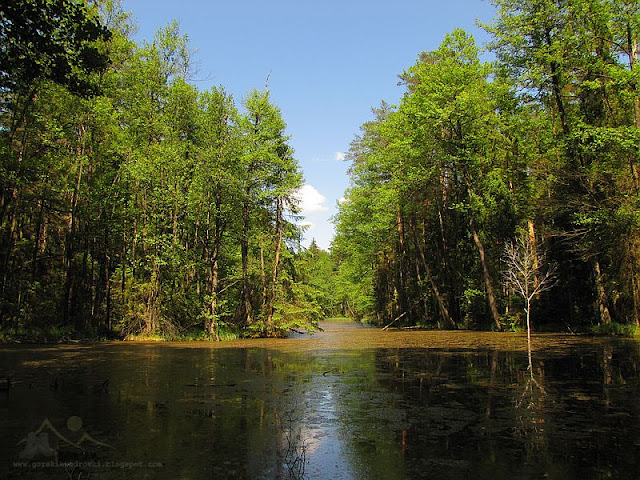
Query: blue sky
{"type": "Point", "coordinates": [329, 62]}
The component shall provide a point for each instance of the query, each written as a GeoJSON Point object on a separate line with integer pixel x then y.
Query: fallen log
{"type": "Point", "coordinates": [395, 320]}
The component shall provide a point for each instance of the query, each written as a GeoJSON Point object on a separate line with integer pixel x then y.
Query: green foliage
{"type": "Point", "coordinates": [316, 270]}
{"type": "Point", "coordinates": [426, 178]}
{"type": "Point", "coordinates": [131, 202]}
{"type": "Point", "coordinates": [514, 322]}
{"type": "Point", "coordinates": [224, 333]}
{"type": "Point", "coordinates": [45, 334]}
{"type": "Point", "coordinates": [615, 329]}
{"type": "Point", "coordinates": [545, 137]}
{"type": "Point", "coordinates": [141, 207]}
{"type": "Point", "coordinates": [54, 40]}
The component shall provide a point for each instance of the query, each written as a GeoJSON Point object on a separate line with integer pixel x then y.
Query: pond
{"type": "Point", "coordinates": [350, 402]}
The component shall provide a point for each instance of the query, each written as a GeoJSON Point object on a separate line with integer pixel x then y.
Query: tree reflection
{"type": "Point", "coordinates": [530, 425]}
{"type": "Point", "coordinates": [294, 443]}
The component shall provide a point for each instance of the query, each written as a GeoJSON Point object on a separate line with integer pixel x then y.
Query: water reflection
{"type": "Point", "coordinates": [349, 403]}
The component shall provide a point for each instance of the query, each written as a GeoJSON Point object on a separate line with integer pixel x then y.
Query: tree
{"type": "Point", "coordinates": [269, 180]}
{"type": "Point", "coordinates": [213, 195]}
{"type": "Point", "coordinates": [546, 136]}
{"type": "Point", "coordinates": [54, 57]}
{"type": "Point", "coordinates": [524, 273]}
{"type": "Point", "coordinates": [461, 108]}
{"type": "Point", "coordinates": [578, 61]}
{"type": "Point", "coordinates": [131, 202]}
{"type": "Point", "coordinates": [431, 178]}
{"type": "Point", "coordinates": [317, 269]}
{"type": "Point", "coordinates": [53, 40]}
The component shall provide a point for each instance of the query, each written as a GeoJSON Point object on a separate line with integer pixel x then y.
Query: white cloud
{"type": "Point", "coordinates": [306, 224]}
{"type": "Point", "coordinates": [336, 157]}
{"type": "Point", "coordinates": [342, 200]}
{"type": "Point", "coordinates": [311, 200]}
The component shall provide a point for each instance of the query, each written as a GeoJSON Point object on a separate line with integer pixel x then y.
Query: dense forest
{"type": "Point", "coordinates": [531, 157]}
{"type": "Point", "coordinates": [131, 202]}
{"type": "Point", "coordinates": [134, 204]}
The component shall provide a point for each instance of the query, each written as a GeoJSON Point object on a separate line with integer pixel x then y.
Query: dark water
{"type": "Point", "coordinates": [348, 403]}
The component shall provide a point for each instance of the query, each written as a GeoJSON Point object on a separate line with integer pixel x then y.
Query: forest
{"type": "Point", "coordinates": [522, 167]}
{"type": "Point", "coordinates": [133, 205]}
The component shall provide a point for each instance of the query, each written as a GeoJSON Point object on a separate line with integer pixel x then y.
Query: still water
{"type": "Point", "coordinates": [347, 403]}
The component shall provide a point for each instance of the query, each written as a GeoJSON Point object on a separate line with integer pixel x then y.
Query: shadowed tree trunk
{"type": "Point", "coordinates": [602, 302]}
{"type": "Point", "coordinates": [491, 298]}
{"type": "Point", "coordinates": [274, 272]}
{"type": "Point", "coordinates": [440, 298]}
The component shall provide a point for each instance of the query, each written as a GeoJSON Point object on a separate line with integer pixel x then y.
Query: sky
{"type": "Point", "coordinates": [328, 63]}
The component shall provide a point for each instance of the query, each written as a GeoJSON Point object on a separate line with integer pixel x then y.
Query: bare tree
{"type": "Point", "coordinates": [524, 274]}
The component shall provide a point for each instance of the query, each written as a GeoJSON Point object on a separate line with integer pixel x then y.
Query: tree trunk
{"type": "Point", "coordinates": [274, 273]}
{"type": "Point", "coordinates": [153, 300]}
{"type": "Point", "coordinates": [263, 275]}
{"type": "Point", "coordinates": [533, 244]}
{"type": "Point", "coordinates": [244, 252]}
{"type": "Point", "coordinates": [601, 294]}
{"type": "Point", "coordinates": [442, 303]}
{"type": "Point", "coordinates": [528, 312]}
{"type": "Point", "coordinates": [556, 87]}
{"type": "Point", "coordinates": [107, 292]}
{"type": "Point", "coordinates": [38, 241]}
{"type": "Point", "coordinates": [103, 283]}
{"type": "Point", "coordinates": [635, 282]}
{"type": "Point", "coordinates": [219, 225]}
{"type": "Point", "coordinates": [68, 302]}
{"type": "Point", "coordinates": [633, 66]}
{"type": "Point", "coordinates": [402, 262]}
{"type": "Point", "coordinates": [491, 299]}
{"type": "Point", "coordinates": [212, 324]}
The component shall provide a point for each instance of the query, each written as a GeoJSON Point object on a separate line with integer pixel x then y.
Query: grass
{"type": "Point", "coordinates": [69, 335]}
{"type": "Point", "coordinates": [337, 320]}
{"type": "Point", "coordinates": [145, 338]}
{"type": "Point", "coordinates": [615, 329]}
{"type": "Point", "coordinates": [225, 333]}
{"type": "Point", "coordinates": [190, 335]}
{"type": "Point", "coordinates": [40, 335]}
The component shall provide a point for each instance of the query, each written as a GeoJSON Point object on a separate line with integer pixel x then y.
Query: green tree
{"type": "Point", "coordinates": [130, 201]}
{"type": "Point", "coordinates": [53, 61]}
{"type": "Point", "coordinates": [431, 179]}
{"type": "Point", "coordinates": [50, 40]}
{"type": "Point", "coordinates": [578, 61]}
{"type": "Point", "coordinates": [269, 181]}
{"type": "Point", "coordinates": [213, 198]}
{"type": "Point", "coordinates": [318, 270]}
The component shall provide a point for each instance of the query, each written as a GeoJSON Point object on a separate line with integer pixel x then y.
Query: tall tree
{"type": "Point", "coordinates": [271, 178]}
{"type": "Point", "coordinates": [577, 59]}
{"type": "Point", "coordinates": [438, 166]}
{"type": "Point", "coordinates": [50, 53]}
{"type": "Point", "coordinates": [214, 193]}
